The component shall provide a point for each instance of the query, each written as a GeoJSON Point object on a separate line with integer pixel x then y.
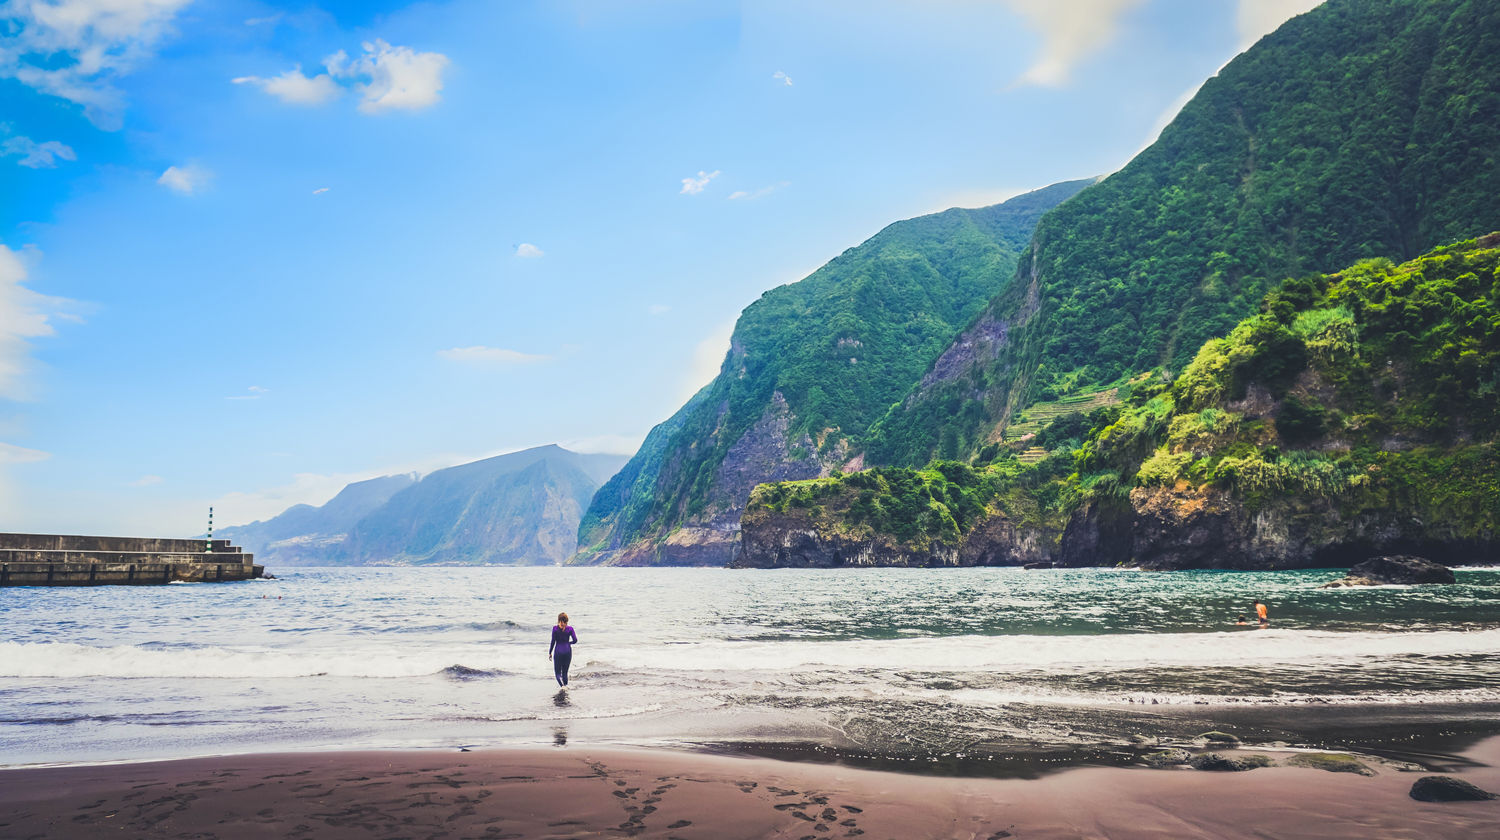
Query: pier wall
{"type": "Point", "coordinates": [67, 560]}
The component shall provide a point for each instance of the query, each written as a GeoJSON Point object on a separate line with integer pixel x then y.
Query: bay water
{"type": "Point", "coordinates": [898, 665]}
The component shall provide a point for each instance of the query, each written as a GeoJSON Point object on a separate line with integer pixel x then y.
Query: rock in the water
{"type": "Point", "coordinates": [1215, 761]}
{"type": "Point", "coordinates": [1332, 762]}
{"type": "Point", "coordinates": [1167, 758]}
{"type": "Point", "coordinates": [1217, 737]}
{"type": "Point", "coordinates": [1447, 789]}
{"type": "Point", "coordinates": [1397, 569]}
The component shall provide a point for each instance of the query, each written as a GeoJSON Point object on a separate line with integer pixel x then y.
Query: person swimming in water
{"type": "Point", "coordinates": [1242, 619]}
{"type": "Point", "coordinates": [563, 640]}
{"type": "Point", "coordinates": [1260, 611]}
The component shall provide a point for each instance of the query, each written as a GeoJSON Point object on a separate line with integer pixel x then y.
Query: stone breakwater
{"type": "Point", "coordinates": [64, 560]}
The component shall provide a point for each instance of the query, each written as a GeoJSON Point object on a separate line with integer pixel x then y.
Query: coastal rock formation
{"type": "Point", "coordinates": [1398, 569]}
{"type": "Point", "coordinates": [1219, 762]}
{"type": "Point", "coordinates": [1318, 433]}
{"type": "Point", "coordinates": [1447, 789]}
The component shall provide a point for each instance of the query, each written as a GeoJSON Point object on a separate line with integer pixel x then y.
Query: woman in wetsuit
{"type": "Point", "coordinates": [560, 651]}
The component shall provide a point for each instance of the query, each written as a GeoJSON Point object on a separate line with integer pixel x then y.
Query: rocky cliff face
{"type": "Point", "coordinates": [1350, 132]}
{"type": "Point", "coordinates": [1161, 529]}
{"type": "Point", "coordinates": [1357, 415]}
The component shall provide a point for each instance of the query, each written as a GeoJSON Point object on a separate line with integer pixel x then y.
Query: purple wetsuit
{"type": "Point", "coordinates": [561, 651]}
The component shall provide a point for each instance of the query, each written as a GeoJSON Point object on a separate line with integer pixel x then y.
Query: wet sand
{"type": "Point", "coordinates": [586, 792]}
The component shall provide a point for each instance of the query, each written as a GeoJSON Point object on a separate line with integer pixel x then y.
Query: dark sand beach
{"type": "Point", "coordinates": [588, 792]}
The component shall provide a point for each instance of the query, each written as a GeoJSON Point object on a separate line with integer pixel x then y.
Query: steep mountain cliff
{"type": "Point", "coordinates": [1357, 414]}
{"type": "Point", "coordinates": [811, 365]}
{"type": "Point", "coordinates": [1364, 128]}
{"type": "Point", "coordinates": [522, 508]}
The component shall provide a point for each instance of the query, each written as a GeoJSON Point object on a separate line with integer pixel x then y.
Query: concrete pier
{"type": "Point", "coordinates": [65, 560]}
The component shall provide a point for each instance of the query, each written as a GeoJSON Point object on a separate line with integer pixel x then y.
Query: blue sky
{"type": "Point", "coordinates": [253, 251]}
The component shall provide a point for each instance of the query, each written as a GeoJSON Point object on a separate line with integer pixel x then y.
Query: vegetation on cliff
{"type": "Point", "coordinates": [814, 363]}
{"type": "Point", "coordinates": [1370, 395]}
{"type": "Point", "coordinates": [1364, 128]}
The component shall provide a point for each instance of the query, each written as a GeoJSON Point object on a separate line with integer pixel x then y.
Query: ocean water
{"type": "Point", "coordinates": [902, 664]}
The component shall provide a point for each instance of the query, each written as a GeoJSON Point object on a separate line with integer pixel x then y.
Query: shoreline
{"type": "Point", "coordinates": [585, 791]}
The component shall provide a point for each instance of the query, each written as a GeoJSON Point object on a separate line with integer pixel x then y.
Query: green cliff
{"type": "Point", "coordinates": [1364, 128]}
{"type": "Point", "coordinates": [1356, 413]}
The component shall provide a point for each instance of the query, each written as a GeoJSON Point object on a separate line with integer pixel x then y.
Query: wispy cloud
{"type": "Point", "coordinates": [24, 316]}
{"type": "Point", "coordinates": [145, 481]}
{"type": "Point", "coordinates": [526, 250]}
{"type": "Point", "coordinates": [1255, 18]}
{"type": "Point", "coordinates": [78, 49]}
{"type": "Point", "coordinates": [296, 89]}
{"type": "Point", "coordinates": [742, 195]}
{"type": "Point", "coordinates": [320, 190]}
{"type": "Point", "coordinates": [263, 21]}
{"type": "Point", "coordinates": [658, 309]}
{"type": "Point", "coordinates": [254, 392]}
{"type": "Point", "coordinates": [385, 77]}
{"type": "Point", "coordinates": [186, 179]}
{"type": "Point", "coordinates": [1070, 33]}
{"type": "Point", "coordinates": [785, 79]}
{"type": "Point", "coordinates": [36, 155]}
{"type": "Point", "coordinates": [398, 78]}
{"type": "Point", "coordinates": [695, 185]}
{"type": "Point", "coordinates": [12, 454]}
{"type": "Point", "coordinates": [481, 355]}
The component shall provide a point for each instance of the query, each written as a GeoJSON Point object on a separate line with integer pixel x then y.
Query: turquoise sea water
{"type": "Point", "coordinates": [920, 664]}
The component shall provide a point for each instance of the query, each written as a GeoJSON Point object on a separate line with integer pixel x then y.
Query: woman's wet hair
{"type": "Point", "coordinates": [562, 618]}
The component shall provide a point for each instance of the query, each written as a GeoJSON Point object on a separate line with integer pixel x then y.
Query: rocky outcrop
{"type": "Point", "coordinates": [1156, 528]}
{"type": "Point", "coordinates": [1447, 789]}
{"type": "Point", "coordinates": [1195, 528]}
{"type": "Point", "coordinates": [1399, 570]}
{"type": "Point", "coordinates": [799, 540]}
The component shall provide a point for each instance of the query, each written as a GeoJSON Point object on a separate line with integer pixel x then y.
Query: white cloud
{"type": "Point", "coordinates": [693, 186]}
{"type": "Point", "coordinates": [36, 155]}
{"type": "Point", "coordinates": [481, 355]}
{"type": "Point", "coordinates": [254, 392]}
{"type": "Point", "coordinates": [77, 49]}
{"type": "Point", "coordinates": [186, 179]}
{"type": "Point", "coordinates": [24, 315]}
{"type": "Point", "coordinates": [785, 79]}
{"type": "Point", "coordinates": [296, 89]}
{"type": "Point", "coordinates": [739, 195]}
{"type": "Point", "coordinates": [12, 454]}
{"type": "Point", "coordinates": [146, 481]}
{"type": "Point", "coordinates": [1255, 18]}
{"type": "Point", "coordinates": [707, 358]}
{"type": "Point", "coordinates": [261, 21]}
{"type": "Point", "coordinates": [529, 251]}
{"type": "Point", "coordinates": [658, 309]}
{"type": "Point", "coordinates": [1070, 32]}
{"type": "Point", "coordinates": [399, 77]}
{"type": "Point", "coordinates": [320, 190]}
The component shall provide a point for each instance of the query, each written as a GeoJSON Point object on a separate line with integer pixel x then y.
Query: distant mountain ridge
{"type": "Point", "coordinates": [521, 508]}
